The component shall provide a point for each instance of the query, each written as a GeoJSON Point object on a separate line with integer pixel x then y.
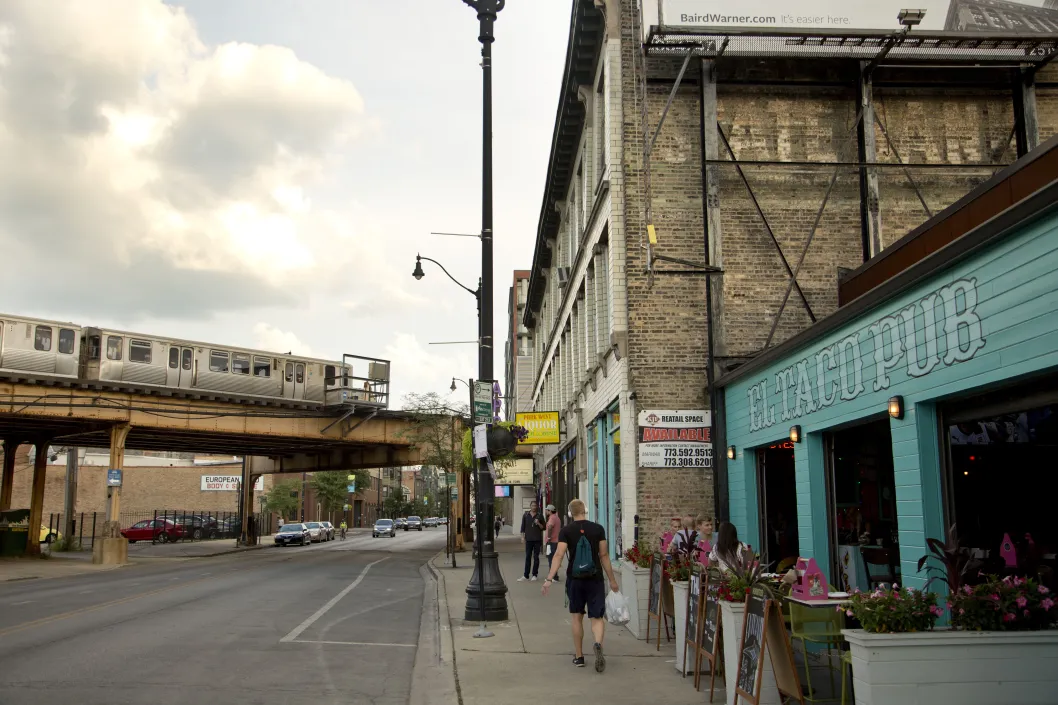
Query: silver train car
{"type": "Point", "coordinates": [29, 345]}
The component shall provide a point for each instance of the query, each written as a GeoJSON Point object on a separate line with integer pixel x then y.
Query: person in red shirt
{"type": "Point", "coordinates": [551, 534]}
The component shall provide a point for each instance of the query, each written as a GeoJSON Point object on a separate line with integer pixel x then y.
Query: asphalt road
{"type": "Point", "coordinates": [330, 623]}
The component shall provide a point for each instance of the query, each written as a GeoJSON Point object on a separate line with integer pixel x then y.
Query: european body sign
{"type": "Point", "coordinates": [227, 483]}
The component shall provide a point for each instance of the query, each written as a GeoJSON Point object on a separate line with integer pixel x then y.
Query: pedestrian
{"type": "Point", "coordinates": [498, 525]}
{"type": "Point", "coordinates": [585, 541]}
{"type": "Point", "coordinates": [728, 552]}
{"type": "Point", "coordinates": [686, 539]}
{"type": "Point", "coordinates": [533, 537]}
{"type": "Point", "coordinates": [551, 535]}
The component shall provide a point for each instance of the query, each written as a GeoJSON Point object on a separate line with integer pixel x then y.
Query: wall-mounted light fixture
{"type": "Point", "coordinates": [896, 407]}
{"type": "Point", "coordinates": [731, 452]}
{"type": "Point", "coordinates": [795, 434]}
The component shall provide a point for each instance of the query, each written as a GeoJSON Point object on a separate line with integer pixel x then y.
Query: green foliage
{"type": "Point", "coordinates": [331, 488]}
{"type": "Point", "coordinates": [894, 611]}
{"type": "Point", "coordinates": [396, 506]}
{"type": "Point", "coordinates": [362, 478]}
{"type": "Point", "coordinates": [436, 429]}
{"type": "Point", "coordinates": [282, 498]}
{"type": "Point", "coordinates": [500, 463]}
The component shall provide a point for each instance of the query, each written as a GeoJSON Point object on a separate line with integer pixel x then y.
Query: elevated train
{"type": "Point", "coordinates": [68, 350]}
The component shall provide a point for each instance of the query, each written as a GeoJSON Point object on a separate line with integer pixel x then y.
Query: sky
{"type": "Point", "coordinates": [262, 173]}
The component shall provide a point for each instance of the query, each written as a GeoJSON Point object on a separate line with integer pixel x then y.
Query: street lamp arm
{"type": "Point", "coordinates": [474, 293]}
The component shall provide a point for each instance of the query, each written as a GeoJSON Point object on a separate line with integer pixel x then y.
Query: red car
{"type": "Point", "coordinates": [160, 530]}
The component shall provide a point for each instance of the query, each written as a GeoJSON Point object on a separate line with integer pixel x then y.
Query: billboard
{"type": "Point", "coordinates": [992, 16]}
{"type": "Point", "coordinates": [542, 427]}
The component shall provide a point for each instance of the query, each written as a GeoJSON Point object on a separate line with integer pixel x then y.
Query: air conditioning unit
{"type": "Point", "coordinates": [563, 276]}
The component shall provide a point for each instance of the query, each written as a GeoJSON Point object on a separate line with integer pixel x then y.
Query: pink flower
{"type": "Point", "coordinates": [848, 612]}
{"type": "Point", "coordinates": [1018, 581]}
{"type": "Point", "coordinates": [994, 597]}
{"type": "Point", "coordinates": [962, 611]}
{"type": "Point", "coordinates": [910, 589]}
{"type": "Point", "coordinates": [947, 604]}
{"type": "Point", "coordinates": [937, 611]}
{"type": "Point", "coordinates": [967, 589]}
{"type": "Point", "coordinates": [1047, 603]}
{"type": "Point", "coordinates": [838, 608]}
{"type": "Point", "coordinates": [1026, 613]}
{"type": "Point", "coordinates": [1009, 617]}
{"type": "Point", "coordinates": [1006, 580]}
{"type": "Point", "coordinates": [1042, 589]}
{"type": "Point", "coordinates": [1021, 601]}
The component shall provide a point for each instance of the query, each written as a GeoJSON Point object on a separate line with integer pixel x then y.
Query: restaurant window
{"type": "Point", "coordinates": [218, 361]}
{"type": "Point", "coordinates": [42, 338]}
{"type": "Point", "coordinates": [240, 364]}
{"type": "Point", "coordinates": [114, 343]}
{"type": "Point", "coordinates": [66, 338]}
{"type": "Point", "coordinates": [140, 351]}
{"type": "Point", "coordinates": [262, 367]}
{"type": "Point", "coordinates": [174, 358]}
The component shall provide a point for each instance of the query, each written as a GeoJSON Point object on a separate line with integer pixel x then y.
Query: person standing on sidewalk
{"type": "Point", "coordinates": [532, 536]}
{"type": "Point", "coordinates": [551, 535]}
{"type": "Point", "coordinates": [584, 579]}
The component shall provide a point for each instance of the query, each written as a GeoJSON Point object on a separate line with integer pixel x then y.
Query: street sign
{"type": "Point", "coordinates": [481, 444]}
{"type": "Point", "coordinates": [351, 487]}
{"type": "Point", "coordinates": [450, 478]}
{"type": "Point", "coordinates": [454, 493]}
{"type": "Point", "coordinates": [481, 401]}
{"type": "Point", "coordinates": [113, 478]}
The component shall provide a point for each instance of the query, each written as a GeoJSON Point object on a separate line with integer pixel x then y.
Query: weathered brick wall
{"type": "Point", "coordinates": [143, 489]}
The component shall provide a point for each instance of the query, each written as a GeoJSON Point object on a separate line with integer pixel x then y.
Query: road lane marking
{"type": "Point", "coordinates": [351, 643]}
{"type": "Point", "coordinates": [333, 601]}
{"type": "Point", "coordinates": [85, 592]}
{"type": "Point", "coordinates": [24, 602]}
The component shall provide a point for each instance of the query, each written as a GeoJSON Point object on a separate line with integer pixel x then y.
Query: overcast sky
{"type": "Point", "coordinates": [262, 172]}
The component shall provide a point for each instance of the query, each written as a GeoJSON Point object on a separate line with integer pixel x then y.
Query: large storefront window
{"type": "Point", "coordinates": [604, 475]}
{"type": "Point", "coordinates": [613, 449]}
{"type": "Point", "coordinates": [778, 505]}
{"type": "Point", "coordinates": [1001, 483]}
{"type": "Point", "coordinates": [863, 507]}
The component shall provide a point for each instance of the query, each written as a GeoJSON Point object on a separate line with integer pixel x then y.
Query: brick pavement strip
{"type": "Point", "coordinates": [530, 656]}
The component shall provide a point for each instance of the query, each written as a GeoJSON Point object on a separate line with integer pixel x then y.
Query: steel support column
{"type": "Point", "coordinates": [8, 485]}
{"type": "Point", "coordinates": [70, 498]}
{"type": "Point", "coordinates": [867, 145]}
{"type": "Point", "coordinates": [36, 496]}
{"type": "Point", "coordinates": [112, 525]}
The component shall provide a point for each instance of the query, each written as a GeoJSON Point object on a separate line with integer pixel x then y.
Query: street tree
{"type": "Point", "coordinates": [331, 488]}
{"type": "Point", "coordinates": [283, 498]}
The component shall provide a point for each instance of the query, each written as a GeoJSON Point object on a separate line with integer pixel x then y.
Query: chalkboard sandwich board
{"type": "Point", "coordinates": [656, 597]}
{"type": "Point", "coordinates": [690, 634]}
{"type": "Point", "coordinates": [763, 630]}
{"type": "Point", "coordinates": [707, 644]}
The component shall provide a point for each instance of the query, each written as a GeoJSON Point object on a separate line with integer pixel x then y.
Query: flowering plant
{"type": "Point", "coordinates": [637, 557]}
{"type": "Point", "coordinates": [893, 611]}
{"type": "Point", "coordinates": [1012, 603]}
{"type": "Point", "coordinates": [520, 433]}
{"type": "Point", "coordinates": [746, 573]}
{"type": "Point", "coordinates": [678, 567]}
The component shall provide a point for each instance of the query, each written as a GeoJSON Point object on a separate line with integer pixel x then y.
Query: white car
{"type": "Point", "coordinates": [329, 528]}
{"type": "Point", "coordinates": [316, 531]}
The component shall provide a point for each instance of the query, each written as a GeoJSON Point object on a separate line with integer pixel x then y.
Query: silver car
{"type": "Point", "coordinates": [384, 527]}
{"type": "Point", "coordinates": [329, 528]}
{"type": "Point", "coordinates": [316, 531]}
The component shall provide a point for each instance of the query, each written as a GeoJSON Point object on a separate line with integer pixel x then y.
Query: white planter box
{"type": "Point", "coordinates": [635, 585]}
{"type": "Point", "coordinates": [679, 596]}
{"type": "Point", "coordinates": [952, 667]}
{"type": "Point", "coordinates": [732, 614]}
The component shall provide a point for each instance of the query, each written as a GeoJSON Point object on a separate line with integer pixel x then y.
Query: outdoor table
{"type": "Point", "coordinates": [837, 598]}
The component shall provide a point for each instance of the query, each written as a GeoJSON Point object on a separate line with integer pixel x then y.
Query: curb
{"type": "Point", "coordinates": [434, 676]}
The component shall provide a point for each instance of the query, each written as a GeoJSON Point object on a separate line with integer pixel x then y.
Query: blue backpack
{"type": "Point", "coordinates": [584, 560]}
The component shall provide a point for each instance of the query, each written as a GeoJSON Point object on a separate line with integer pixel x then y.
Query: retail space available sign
{"type": "Point", "coordinates": [675, 439]}
{"type": "Point", "coordinates": [227, 483]}
{"type": "Point", "coordinates": [995, 17]}
{"type": "Point", "coordinates": [541, 425]}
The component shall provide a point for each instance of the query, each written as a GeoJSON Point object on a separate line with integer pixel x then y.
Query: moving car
{"type": "Point", "coordinates": [384, 527]}
{"type": "Point", "coordinates": [316, 531]}
{"type": "Point", "coordinates": [401, 523]}
{"type": "Point", "coordinates": [414, 523]}
{"type": "Point", "coordinates": [429, 522]}
{"type": "Point", "coordinates": [293, 533]}
{"type": "Point", "coordinates": [329, 528]}
{"type": "Point", "coordinates": [160, 530]}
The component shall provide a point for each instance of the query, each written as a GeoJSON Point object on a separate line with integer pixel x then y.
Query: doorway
{"type": "Point", "coordinates": [777, 489]}
{"type": "Point", "coordinates": [864, 543]}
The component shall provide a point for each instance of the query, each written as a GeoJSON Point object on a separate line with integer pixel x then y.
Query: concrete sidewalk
{"type": "Point", "coordinates": [55, 567]}
{"type": "Point", "coordinates": [530, 656]}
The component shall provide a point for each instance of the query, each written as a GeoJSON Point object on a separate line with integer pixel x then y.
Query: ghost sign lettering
{"type": "Point", "coordinates": [942, 328]}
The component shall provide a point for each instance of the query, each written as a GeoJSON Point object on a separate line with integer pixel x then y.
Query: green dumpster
{"type": "Point", "coordinates": [14, 532]}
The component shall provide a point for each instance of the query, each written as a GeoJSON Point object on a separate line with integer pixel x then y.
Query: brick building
{"type": "Point", "coordinates": [365, 506]}
{"type": "Point", "coordinates": [812, 163]}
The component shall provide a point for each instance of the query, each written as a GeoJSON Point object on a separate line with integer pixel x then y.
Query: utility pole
{"type": "Point", "coordinates": [70, 499]}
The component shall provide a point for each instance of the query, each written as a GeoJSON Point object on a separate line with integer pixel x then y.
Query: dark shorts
{"type": "Point", "coordinates": [590, 594]}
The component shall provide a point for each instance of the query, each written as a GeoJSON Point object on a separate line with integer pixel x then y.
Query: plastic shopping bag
{"type": "Point", "coordinates": [617, 609]}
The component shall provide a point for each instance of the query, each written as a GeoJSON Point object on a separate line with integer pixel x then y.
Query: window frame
{"type": "Point", "coordinates": [257, 366]}
{"type": "Point", "coordinates": [141, 345]}
{"type": "Point", "coordinates": [187, 359]}
{"type": "Point", "coordinates": [174, 357]}
{"type": "Point", "coordinates": [120, 347]}
{"type": "Point", "coordinates": [330, 376]}
{"type": "Point", "coordinates": [95, 347]}
{"type": "Point", "coordinates": [299, 373]}
{"type": "Point", "coordinates": [288, 372]}
{"type": "Point", "coordinates": [38, 339]}
{"type": "Point", "coordinates": [227, 361]}
{"type": "Point", "coordinates": [73, 340]}
{"type": "Point", "coordinates": [242, 357]}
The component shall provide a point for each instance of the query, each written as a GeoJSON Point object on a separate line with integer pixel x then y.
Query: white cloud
{"type": "Point", "coordinates": [274, 340]}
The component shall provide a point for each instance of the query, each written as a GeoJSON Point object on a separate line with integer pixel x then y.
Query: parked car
{"type": "Point", "coordinates": [414, 524]}
{"type": "Point", "coordinates": [316, 531]}
{"type": "Point", "coordinates": [329, 528]}
{"type": "Point", "coordinates": [194, 527]}
{"type": "Point", "coordinates": [160, 530]}
{"type": "Point", "coordinates": [293, 533]}
{"type": "Point", "coordinates": [48, 535]}
{"type": "Point", "coordinates": [401, 523]}
{"type": "Point", "coordinates": [384, 527]}
{"type": "Point", "coordinates": [443, 521]}
{"type": "Point", "coordinates": [229, 527]}
{"type": "Point", "coordinates": [429, 522]}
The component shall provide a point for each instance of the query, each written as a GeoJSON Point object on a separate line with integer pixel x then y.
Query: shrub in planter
{"type": "Point", "coordinates": [894, 611]}
{"type": "Point", "coordinates": [637, 557]}
{"type": "Point", "coordinates": [1009, 604]}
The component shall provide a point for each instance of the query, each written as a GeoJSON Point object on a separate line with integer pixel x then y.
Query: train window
{"type": "Point", "coordinates": [329, 377]}
{"type": "Point", "coordinates": [300, 374]}
{"type": "Point", "coordinates": [186, 359]}
{"type": "Point", "coordinates": [240, 364]}
{"type": "Point", "coordinates": [140, 351]}
{"type": "Point", "coordinates": [218, 361]}
{"type": "Point", "coordinates": [174, 358]}
{"type": "Point", "coordinates": [262, 367]}
{"type": "Point", "coordinates": [290, 372]}
{"type": "Point", "coordinates": [66, 338]}
{"type": "Point", "coordinates": [93, 347]}
{"type": "Point", "coordinates": [113, 347]}
{"type": "Point", "coordinates": [42, 338]}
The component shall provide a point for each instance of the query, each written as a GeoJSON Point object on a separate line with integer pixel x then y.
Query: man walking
{"type": "Point", "coordinates": [551, 535]}
{"type": "Point", "coordinates": [585, 541]}
{"type": "Point", "coordinates": [533, 536]}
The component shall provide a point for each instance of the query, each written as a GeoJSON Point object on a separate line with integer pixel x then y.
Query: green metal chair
{"type": "Point", "coordinates": [817, 625]}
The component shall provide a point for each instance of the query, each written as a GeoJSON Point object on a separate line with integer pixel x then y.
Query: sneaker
{"type": "Point", "coordinates": [600, 660]}
{"type": "Point", "coordinates": [532, 578]}
{"type": "Point", "coordinates": [579, 662]}
{"type": "Point", "coordinates": [522, 580]}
